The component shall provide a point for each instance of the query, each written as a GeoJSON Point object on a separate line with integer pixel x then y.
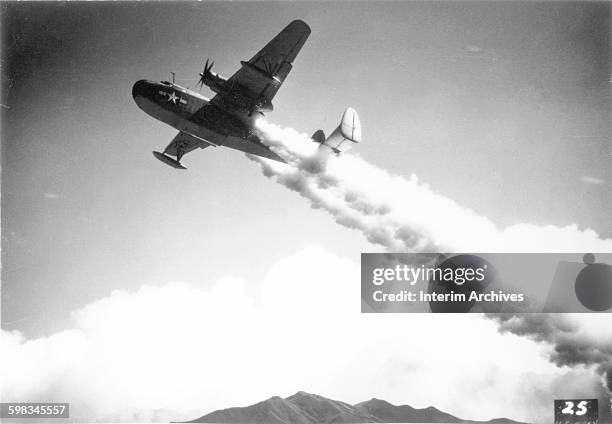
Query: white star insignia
{"type": "Point", "coordinates": [172, 98]}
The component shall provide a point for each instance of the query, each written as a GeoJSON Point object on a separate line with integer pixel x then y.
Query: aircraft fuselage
{"type": "Point", "coordinates": [185, 110]}
{"type": "Point", "coordinates": [191, 113]}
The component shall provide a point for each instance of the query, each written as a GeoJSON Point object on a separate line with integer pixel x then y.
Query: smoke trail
{"type": "Point", "coordinates": [402, 214]}
{"type": "Point", "coordinates": [405, 215]}
{"type": "Point", "coordinates": [574, 342]}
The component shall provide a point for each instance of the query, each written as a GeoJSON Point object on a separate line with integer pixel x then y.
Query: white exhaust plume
{"type": "Point", "coordinates": [402, 214]}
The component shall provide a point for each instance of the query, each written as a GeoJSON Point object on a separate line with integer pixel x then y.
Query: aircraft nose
{"type": "Point", "coordinates": [140, 88]}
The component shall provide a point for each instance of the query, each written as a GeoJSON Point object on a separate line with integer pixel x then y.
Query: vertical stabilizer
{"type": "Point", "coordinates": [345, 135]}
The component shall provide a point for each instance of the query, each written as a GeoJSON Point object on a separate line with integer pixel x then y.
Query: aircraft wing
{"type": "Point", "coordinates": [183, 143]}
{"type": "Point", "coordinates": [265, 72]}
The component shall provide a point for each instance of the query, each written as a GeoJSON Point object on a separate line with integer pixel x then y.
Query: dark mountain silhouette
{"type": "Point", "coordinates": [307, 408]}
{"type": "Point", "coordinates": [389, 413]}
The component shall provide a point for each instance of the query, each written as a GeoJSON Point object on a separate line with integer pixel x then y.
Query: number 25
{"type": "Point", "coordinates": [569, 408]}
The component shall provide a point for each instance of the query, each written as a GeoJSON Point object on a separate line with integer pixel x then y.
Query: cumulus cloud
{"type": "Point", "coordinates": [177, 351]}
{"type": "Point", "coordinates": [573, 341]}
{"type": "Point", "coordinates": [580, 340]}
{"type": "Point", "coordinates": [592, 180]}
{"type": "Point", "coordinates": [403, 214]}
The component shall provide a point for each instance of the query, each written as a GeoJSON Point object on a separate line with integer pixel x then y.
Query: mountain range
{"type": "Point", "coordinates": [307, 408]}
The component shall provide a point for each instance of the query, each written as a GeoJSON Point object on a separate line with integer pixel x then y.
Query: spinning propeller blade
{"type": "Point", "coordinates": [205, 72]}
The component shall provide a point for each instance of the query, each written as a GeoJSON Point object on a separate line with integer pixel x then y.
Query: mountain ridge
{"type": "Point", "coordinates": [309, 408]}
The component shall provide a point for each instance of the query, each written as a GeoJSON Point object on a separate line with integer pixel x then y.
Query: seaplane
{"type": "Point", "coordinates": [229, 118]}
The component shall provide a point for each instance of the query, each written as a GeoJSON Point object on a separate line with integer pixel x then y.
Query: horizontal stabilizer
{"type": "Point", "coordinates": [168, 160]}
{"type": "Point", "coordinates": [319, 136]}
{"type": "Point", "coordinates": [345, 135]}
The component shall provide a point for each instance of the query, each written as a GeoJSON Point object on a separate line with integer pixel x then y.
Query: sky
{"type": "Point", "coordinates": [502, 107]}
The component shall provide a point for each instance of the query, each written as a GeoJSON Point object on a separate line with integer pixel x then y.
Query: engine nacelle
{"type": "Point", "coordinates": [215, 82]}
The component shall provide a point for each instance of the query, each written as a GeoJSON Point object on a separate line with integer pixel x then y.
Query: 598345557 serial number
{"type": "Point", "coordinates": [34, 410]}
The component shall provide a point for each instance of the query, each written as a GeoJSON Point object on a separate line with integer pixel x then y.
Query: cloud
{"type": "Point", "coordinates": [592, 180]}
{"type": "Point", "coordinates": [403, 214]}
{"type": "Point", "coordinates": [51, 196]}
{"type": "Point", "coordinates": [176, 351]}
{"type": "Point", "coordinates": [581, 340]}
{"type": "Point", "coordinates": [473, 49]}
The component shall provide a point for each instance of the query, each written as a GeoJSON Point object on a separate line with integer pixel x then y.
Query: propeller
{"type": "Point", "coordinates": [205, 72]}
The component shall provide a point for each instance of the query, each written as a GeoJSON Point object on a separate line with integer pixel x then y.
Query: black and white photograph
{"type": "Point", "coordinates": [306, 212]}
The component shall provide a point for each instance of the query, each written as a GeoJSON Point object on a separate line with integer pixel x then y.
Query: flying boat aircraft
{"type": "Point", "coordinates": [228, 119]}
